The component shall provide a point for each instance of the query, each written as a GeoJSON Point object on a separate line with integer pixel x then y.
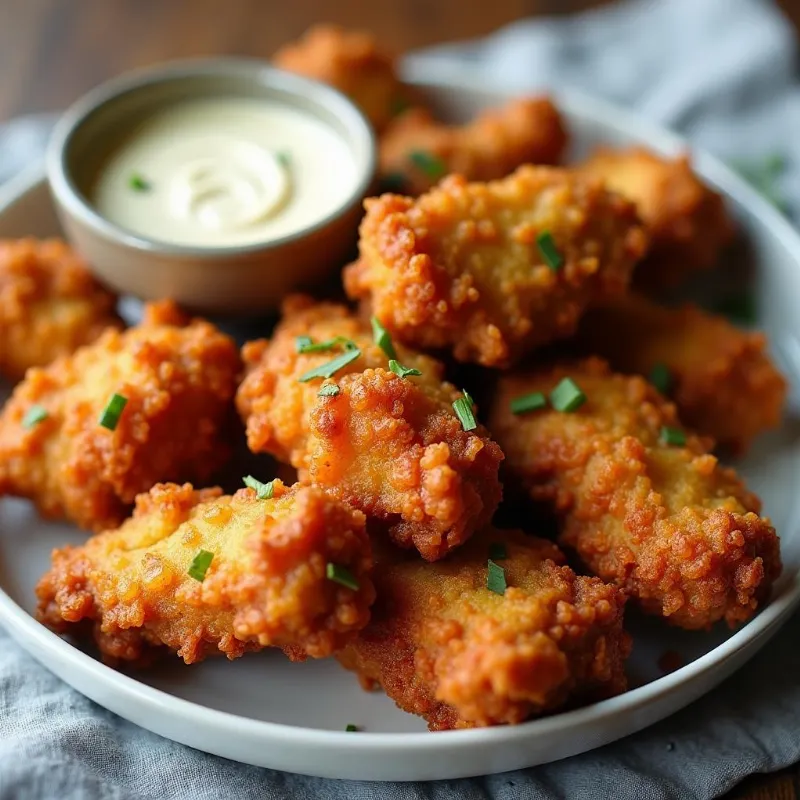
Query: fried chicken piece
{"type": "Point", "coordinates": [350, 61]}
{"type": "Point", "coordinates": [416, 150]}
{"type": "Point", "coordinates": [178, 378]}
{"type": "Point", "coordinates": [720, 377]}
{"type": "Point", "coordinates": [686, 220]}
{"type": "Point", "coordinates": [664, 521]}
{"type": "Point", "coordinates": [131, 589]}
{"type": "Point", "coordinates": [460, 267]}
{"type": "Point", "coordinates": [390, 446]}
{"type": "Point", "coordinates": [444, 646]}
{"type": "Point", "coordinates": [49, 304]}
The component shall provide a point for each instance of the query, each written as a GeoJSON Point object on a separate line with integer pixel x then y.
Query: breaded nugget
{"type": "Point", "coordinates": [721, 378]}
{"type": "Point", "coordinates": [350, 61]}
{"type": "Point", "coordinates": [178, 379]}
{"type": "Point", "coordinates": [49, 304]}
{"type": "Point", "coordinates": [137, 587]}
{"type": "Point", "coordinates": [446, 647]}
{"type": "Point", "coordinates": [416, 150]}
{"type": "Point", "coordinates": [391, 446]}
{"type": "Point", "coordinates": [461, 266]}
{"type": "Point", "coordinates": [686, 220]}
{"type": "Point", "coordinates": [664, 521]}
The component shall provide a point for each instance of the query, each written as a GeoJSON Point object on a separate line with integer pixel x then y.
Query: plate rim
{"type": "Point", "coordinates": [39, 641]}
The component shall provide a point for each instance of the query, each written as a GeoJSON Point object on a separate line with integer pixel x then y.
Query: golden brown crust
{"type": "Point", "coordinates": [445, 647]}
{"type": "Point", "coordinates": [667, 523]}
{"type": "Point", "coordinates": [49, 304]}
{"type": "Point", "coordinates": [351, 61]}
{"type": "Point", "coordinates": [721, 378]}
{"type": "Point", "coordinates": [130, 590]}
{"type": "Point", "coordinates": [524, 131]}
{"type": "Point", "coordinates": [460, 267]}
{"type": "Point", "coordinates": [686, 220]}
{"type": "Point", "coordinates": [179, 383]}
{"type": "Point", "coordinates": [391, 446]}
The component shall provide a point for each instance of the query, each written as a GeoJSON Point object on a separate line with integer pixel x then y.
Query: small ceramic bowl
{"type": "Point", "coordinates": [231, 279]}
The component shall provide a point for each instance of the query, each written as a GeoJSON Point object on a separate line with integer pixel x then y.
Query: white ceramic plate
{"type": "Point", "coordinates": [265, 711]}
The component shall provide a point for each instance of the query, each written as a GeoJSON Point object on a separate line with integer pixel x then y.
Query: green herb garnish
{"type": "Point", "coordinates": [305, 344]}
{"type": "Point", "coordinates": [342, 575]}
{"type": "Point", "coordinates": [394, 182]}
{"type": "Point", "coordinates": [200, 564]}
{"type": "Point", "coordinates": [138, 183]}
{"type": "Point", "coordinates": [547, 247]}
{"type": "Point", "coordinates": [764, 176]}
{"type": "Point", "coordinates": [497, 551]}
{"type": "Point", "coordinates": [528, 402]}
{"type": "Point", "coordinates": [328, 390]}
{"type": "Point", "coordinates": [431, 165]}
{"type": "Point", "coordinates": [284, 159]}
{"type": "Point", "coordinates": [399, 369]}
{"type": "Point", "coordinates": [739, 308]}
{"type": "Point", "coordinates": [34, 416]}
{"type": "Point", "coordinates": [264, 491]}
{"type": "Point", "coordinates": [382, 338]}
{"type": "Point", "coordinates": [302, 342]}
{"type": "Point", "coordinates": [672, 436]}
{"type": "Point", "coordinates": [567, 396]}
{"type": "Point", "coordinates": [351, 728]}
{"type": "Point", "coordinates": [112, 412]}
{"type": "Point", "coordinates": [329, 369]}
{"type": "Point", "coordinates": [661, 378]}
{"type": "Point", "coordinates": [398, 105]}
{"type": "Point", "coordinates": [496, 578]}
{"type": "Point", "coordinates": [463, 409]}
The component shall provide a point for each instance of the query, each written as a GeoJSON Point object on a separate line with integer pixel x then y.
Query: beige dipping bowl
{"type": "Point", "coordinates": [248, 278]}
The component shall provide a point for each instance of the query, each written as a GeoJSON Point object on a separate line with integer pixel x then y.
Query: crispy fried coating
{"type": "Point", "coordinates": [390, 446]}
{"type": "Point", "coordinates": [49, 304]}
{"type": "Point", "coordinates": [686, 220]}
{"type": "Point", "coordinates": [416, 149]}
{"type": "Point", "coordinates": [720, 377]}
{"type": "Point", "coordinates": [460, 267]}
{"type": "Point", "coordinates": [444, 646]}
{"type": "Point", "coordinates": [178, 378]}
{"type": "Point", "coordinates": [351, 61]}
{"type": "Point", "coordinates": [130, 590]}
{"type": "Point", "coordinates": [666, 522]}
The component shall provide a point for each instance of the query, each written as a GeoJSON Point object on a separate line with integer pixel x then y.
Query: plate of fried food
{"type": "Point", "coordinates": [510, 487]}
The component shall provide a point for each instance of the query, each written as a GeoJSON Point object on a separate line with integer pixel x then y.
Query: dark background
{"type": "Point", "coordinates": [52, 51]}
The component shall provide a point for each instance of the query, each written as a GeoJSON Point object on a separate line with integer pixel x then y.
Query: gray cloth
{"type": "Point", "coordinates": [723, 72]}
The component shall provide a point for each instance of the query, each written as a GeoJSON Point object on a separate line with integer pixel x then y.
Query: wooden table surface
{"type": "Point", "coordinates": [51, 51]}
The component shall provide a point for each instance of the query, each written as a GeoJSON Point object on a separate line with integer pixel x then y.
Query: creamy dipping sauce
{"type": "Point", "coordinates": [225, 171]}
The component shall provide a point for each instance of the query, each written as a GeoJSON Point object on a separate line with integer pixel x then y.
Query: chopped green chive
{"type": "Point", "coordinates": [463, 409]}
{"type": "Point", "coordinates": [496, 578]}
{"type": "Point", "coordinates": [497, 551]}
{"type": "Point", "coordinates": [547, 247]}
{"type": "Point", "coordinates": [351, 728]}
{"type": "Point", "coordinates": [672, 436]}
{"type": "Point", "coordinates": [284, 159]}
{"type": "Point", "coordinates": [399, 369]}
{"type": "Point", "coordinates": [661, 378]}
{"type": "Point", "coordinates": [528, 402]}
{"type": "Point", "coordinates": [567, 396]}
{"type": "Point", "coordinates": [764, 176]}
{"type": "Point", "coordinates": [329, 390]}
{"type": "Point", "coordinates": [431, 165]}
{"type": "Point", "coordinates": [329, 369]}
{"type": "Point", "coordinates": [200, 564]}
{"type": "Point", "coordinates": [112, 412]}
{"type": "Point", "coordinates": [393, 182]}
{"type": "Point", "coordinates": [342, 575]}
{"type": "Point", "coordinates": [34, 416]}
{"type": "Point", "coordinates": [305, 344]}
{"type": "Point", "coordinates": [740, 308]}
{"type": "Point", "coordinates": [264, 491]}
{"type": "Point", "coordinates": [139, 184]}
{"type": "Point", "coordinates": [398, 105]}
{"type": "Point", "coordinates": [382, 338]}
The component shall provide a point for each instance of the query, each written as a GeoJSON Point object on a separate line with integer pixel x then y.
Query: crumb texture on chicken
{"type": "Point", "coordinates": [721, 379]}
{"type": "Point", "coordinates": [666, 522]}
{"type": "Point", "coordinates": [416, 150]}
{"type": "Point", "coordinates": [178, 378]}
{"type": "Point", "coordinates": [49, 304]}
{"type": "Point", "coordinates": [461, 267]}
{"type": "Point", "coordinates": [129, 589]}
{"type": "Point", "coordinates": [391, 446]}
{"type": "Point", "coordinates": [686, 220]}
{"type": "Point", "coordinates": [444, 646]}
